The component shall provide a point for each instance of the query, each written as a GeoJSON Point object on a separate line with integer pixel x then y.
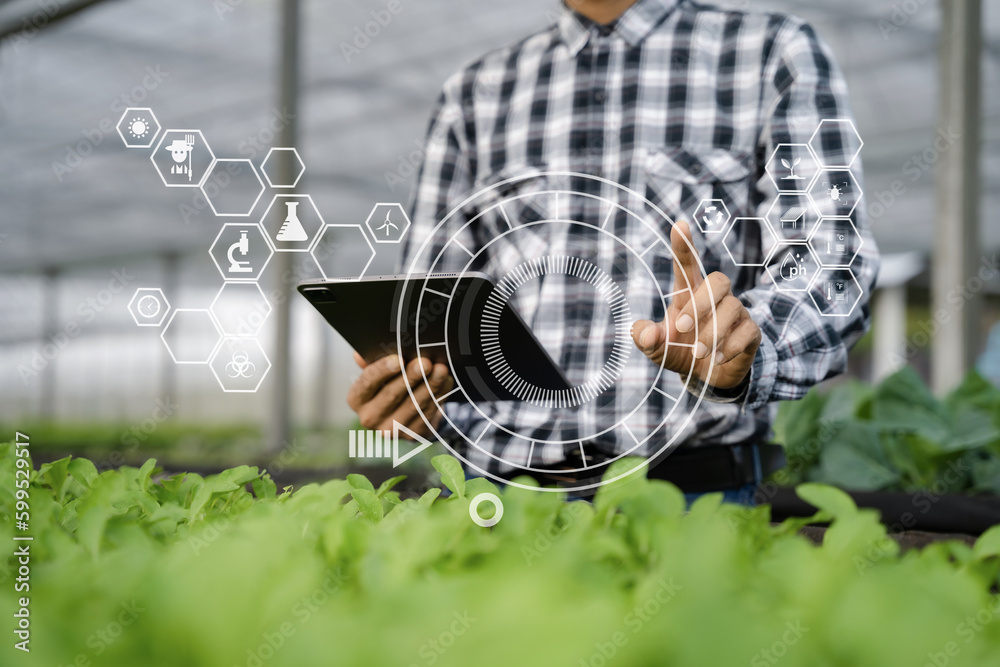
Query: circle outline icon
{"type": "Point", "coordinates": [497, 510]}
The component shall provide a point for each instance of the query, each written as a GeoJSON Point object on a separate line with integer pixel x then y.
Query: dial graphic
{"type": "Point", "coordinates": [579, 258]}
{"type": "Point", "coordinates": [148, 306]}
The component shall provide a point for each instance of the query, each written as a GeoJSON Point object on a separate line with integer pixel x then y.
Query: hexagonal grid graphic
{"type": "Point", "coordinates": [836, 193]}
{"type": "Point", "coordinates": [191, 336]}
{"type": "Point", "coordinates": [388, 223]}
{"type": "Point", "coordinates": [792, 167]}
{"type": "Point", "coordinates": [739, 230]}
{"type": "Point", "coordinates": [792, 267]}
{"type": "Point", "coordinates": [240, 309]}
{"type": "Point", "coordinates": [792, 216]}
{"type": "Point", "coordinates": [185, 161]}
{"type": "Point", "coordinates": [836, 241]}
{"type": "Point", "coordinates": [240, 364]}
{"type": "Point", "coordinates": [294, 225]}
{"type": "Point", "coordinates": [232, 187]}
{"type": "Point", "coordinates": [241, 251]}
{"type": "Point", "coordinates": [138, 127]}
{"type": "Point", "coordinates": [343, 252]}
{"type": "Point", "coordinates": [712, 216]}
{"type": "Point", "coordinates": [269, 167]}
{"type": "Point", "coordinates": [149, 307]}
{"type": "Point", "coordinates": [836, 292]}
{"type": "Point", "coordinates": [833, 132]}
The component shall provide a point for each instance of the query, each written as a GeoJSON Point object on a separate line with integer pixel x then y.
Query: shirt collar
{"type": "Point", "coordinates": [633, 26]}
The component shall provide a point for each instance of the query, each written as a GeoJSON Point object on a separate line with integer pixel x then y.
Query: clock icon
{"type": "Point", "coordinates": [148, 306]}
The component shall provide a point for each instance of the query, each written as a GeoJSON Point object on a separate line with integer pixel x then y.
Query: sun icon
{"type": "Point", "coordinates": [138, 128]}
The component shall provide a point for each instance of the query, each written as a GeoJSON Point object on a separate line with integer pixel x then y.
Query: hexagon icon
{"type": "Point", "coordinates": [836, 137]}
{"type": "Point", "coordinates": [182, 158]}
{"type": "Point", "coordinates": [836, 241]}
{"type": "Point", "coordinates": [792, 267]}
{"type": "Point", "coordinates": [291, 222]}
{"type": "Point", "coordinates": [138, 127]}
{"type": "Point", "coordinates": [836, 292]}
{"type": "Point", "coordinates": [343, 251]}
{"type": "Point", "coordinates": [241, 251]}
{"type": "Point", "coordinates": [149, 307]}
{"type": "Point", "coordinates": [836, 193]}
{"type": "Point", "coordinates": [743, 239]}
{"type": "Point", "coordinates": [792, 216]}
{"type": "Point", "coordinates": [240, 309]}
{"type": "Point", "coordinates": [387, 223]}
{"type": "Point", "coordinates": [240, 364]}
{"type": "Point", "coordinates": [272, 163]}
{"type": "Point", "coordinates": [191, 336]}
{"type": "Point", "coordinates": [792, 167]}
{"type": "Point", "coordinates": [232, 187]}
{"type": "Point", "coordinates": [712, 216]}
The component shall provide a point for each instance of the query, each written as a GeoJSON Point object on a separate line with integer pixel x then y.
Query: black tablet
{"type": "Point", "coordinates": [447, 323]}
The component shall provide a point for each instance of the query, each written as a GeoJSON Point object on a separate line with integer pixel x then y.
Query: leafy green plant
{"type": "Point", "coordinates": [896, 436]}
{"type": "Point", "coordinates": [130, 568]}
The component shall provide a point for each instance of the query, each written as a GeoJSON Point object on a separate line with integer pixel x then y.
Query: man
{"type": "Point", "coordinates": [683, 104]}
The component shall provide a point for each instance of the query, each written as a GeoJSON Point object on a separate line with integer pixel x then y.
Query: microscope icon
{"type": "Point", "coordinates": [242, 246]}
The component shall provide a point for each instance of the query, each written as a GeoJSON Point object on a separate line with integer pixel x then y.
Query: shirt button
{"type": "Point", "coordinates": [600, 96]}
{"type": "Point", "coordinates": [584, 332]}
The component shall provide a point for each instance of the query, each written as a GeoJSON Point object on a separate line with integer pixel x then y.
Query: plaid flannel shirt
{"type": "Point", "coordinates": [679, 102]}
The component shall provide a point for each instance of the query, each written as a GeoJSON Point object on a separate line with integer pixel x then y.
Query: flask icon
{"type": "Point", "coordinates": [291, 228]}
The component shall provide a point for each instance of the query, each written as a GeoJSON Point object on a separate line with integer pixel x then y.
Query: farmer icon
{"type": "Point", "coordinates": [181, 151]}
{"type": "Point", "coordinates": [182, 158]}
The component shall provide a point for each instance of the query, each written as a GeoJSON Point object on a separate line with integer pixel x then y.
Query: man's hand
{"type": "Point", "coordinates": [379, 396]}
{"type": "Point", "coordinates": [672, 343]}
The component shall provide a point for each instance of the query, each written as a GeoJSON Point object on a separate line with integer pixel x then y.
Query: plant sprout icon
{"type": "Point", "coordinates": [387, 224]}
{"type": "Point", "coordinates": [790, 166]}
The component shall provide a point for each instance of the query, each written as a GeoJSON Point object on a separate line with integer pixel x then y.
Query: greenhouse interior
{"type": "Point", "coordinates": [425, 332]}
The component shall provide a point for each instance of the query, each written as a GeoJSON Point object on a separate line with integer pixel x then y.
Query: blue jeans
{"type": "Point", "coordinates": [741, 496]}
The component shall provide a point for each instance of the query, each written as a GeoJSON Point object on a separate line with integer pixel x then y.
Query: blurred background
{"type": "Point", "coordinates": [84, 222]}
